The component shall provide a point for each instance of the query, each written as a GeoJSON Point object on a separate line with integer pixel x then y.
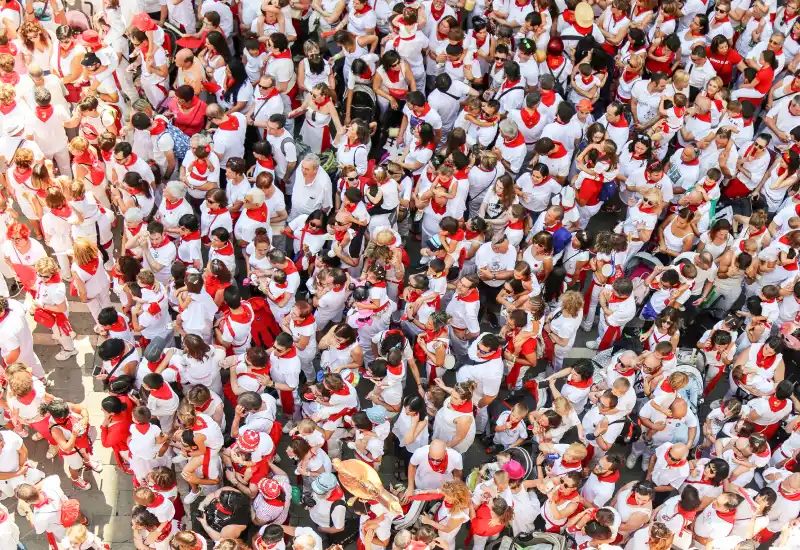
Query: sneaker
{"type": "Point", "coordinates": [14, 288]}
{"type": "Point", "coordinates": [63, 355]}
{"type": "Point", "coordinates": [645, 464]}
{"type": "Point", "coordinates": [190, 497]}
{"type": "Point", "coordinates": [288, 427]}
{"type": "Point", "coordinates": [592, 344]}
{"type": "Point", "coordinates": [94, 466]}
{"type": "Point", "coordinates": [276, 459]}
{"type": "Point", "coordinates": [52, 451]}
{"type": "Point", "coordinates": [82, 484]}
{"type": "Point", "coordinates": [351, 445]}
{"type": "Point", "coordinates": [631, 462]}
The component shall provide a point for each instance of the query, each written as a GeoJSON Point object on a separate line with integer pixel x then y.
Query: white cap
{"type": "Point", "coordinates": [14, 125]}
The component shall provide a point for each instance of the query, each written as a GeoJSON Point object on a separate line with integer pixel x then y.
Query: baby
{"type": "Point", "coordinates": [358, 316]}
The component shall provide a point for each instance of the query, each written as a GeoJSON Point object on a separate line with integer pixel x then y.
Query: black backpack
{"type": "Point", "coordinates": [364, 104]}
{"type": "Point", "coordinates": [631, 429]}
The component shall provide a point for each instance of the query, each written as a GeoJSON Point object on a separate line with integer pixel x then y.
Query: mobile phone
{"type": "Point", "coordinates": [97, 370]}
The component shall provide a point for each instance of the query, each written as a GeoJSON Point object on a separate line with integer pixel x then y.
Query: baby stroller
{"type": "Point", "coordinates": [637, 269]}
{"type": "Point", "coordinates": [530, 541]}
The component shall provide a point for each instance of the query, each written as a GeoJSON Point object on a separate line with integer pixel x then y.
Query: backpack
{"type": "Point", "coordinates": [631, 429]}
{"type": "Point", "coordinates": [608, 191]}
{"type": "Point", "coordinates": [180, 141]}
{"type": "Point", "coordinates": [363, 104]}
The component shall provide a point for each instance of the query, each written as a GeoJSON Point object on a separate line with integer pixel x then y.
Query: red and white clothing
{"type": "Point", "coordinates": [235, 329]}
{"type": "Point", "coordinates": [599, 489]}
{"type": "Point", "coordinates": [668, 472]}
{"type": "Point", "coordinates": [713, 524]}
{"type": "Point", "coordinates": [97, 284]}
{"type": "Point", "coordinates": [164, 254]}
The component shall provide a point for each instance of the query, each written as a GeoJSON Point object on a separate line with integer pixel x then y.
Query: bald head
{"type": "Point", "coordinates": [679, 408]}
{"type": "Point", "coordinates": [438, 449]}
{"type": "Point", "coordinates": [628, 358]}
{"type": "Point", "coordinates": [792, 483]}
{"type": "Point", "coordinates": [679, 451]}
{"type": "Point", "coordinates": [184, 58]}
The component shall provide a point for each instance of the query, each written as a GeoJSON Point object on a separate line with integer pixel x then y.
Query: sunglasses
{"type": "Point", "coordinates": [436, 460]}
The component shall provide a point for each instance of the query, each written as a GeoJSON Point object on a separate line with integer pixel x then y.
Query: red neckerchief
{"type": "Point", "coordinates": [437, 14]}
{"type": "Point", "coordinates": [305, 322]}
{"type": "Point", "coordinates": [163, 393]}
{"type": "Point", "coordinates": [508, 84]}
{"type": "Point", "coordinates": [570, 465]}
{"type": "Point", "coordinates": [336, 494]}
{"type": "Point", "coordinates": [549, 96]}
{"type": "Point", "coordinates": [667, 387]}
{"type": "Point", "coordinates": [291, 354]}
{"type": "Point", "coordinates": [159, 127]}
{"type": "Point", "coordinates": [473, 296]}
{"type": "Point", "coordinates": [694, 162]}
{"type": "Point", "coordinates": [165, 241]}
{"type": "Point", "coordinates": [44, 113]}
{"type": "Point", "coordinates": [465, 407]}
{"type": "Point", "coordinates": [225, 250]}
{"type": "Point", "coordinates": [705, 117]}
{"type": "Point", "coordinates": [231, 124]}
{"type": "Point", "coordinates": [730, 517]}
{"type": "Point", "coordinates": [762, 361]}
{"type": "Point", "coordinates": [243, 318]}
{"type": "Point", "coordinates": [559, 152]}
{"type": "Point", "coordinates": [217, 211]}
{"type": "Point", "coordinates": [441, 467]}
{"type": "Point", "coordinates": [287, 54]}
{"type": "Point", "coordinates": [10, 78]}
{"type": "Point", "coordinates": [22, 175]}
{"type": "Point", "coordinates": [403, 38]}
{"type": "Point", "coordinates": [649, 179]}
{"type": "Point", "coordinates": [617, 299]}
{"type": "Point", "coordinates": [674, 464]}
{"type": "Point", "coordinates": [418, 145]}
{"type": "Point", "coordinates": [45, 501]}
{"type": "Point", "coordinates": [794, 497]}
{"type": "Point", "coordinates": [613, 477]}
{"type": "Point", "coordinates": [558, 497]}
{"type": "Point", "coordinates": [631, 500]}
{"type": "Point", "coordinates": [587, 79]}
{"type": "Point", "coordinates": [517, 225]}
{"type": "Point", "coordinates": [6, 108]}
{"type": "Point", "coordinates": [569, 16]}
{"type": "Point", "coordinates": [267, 163]}
{"type": "Point", "coordinates": [135, 230]}
{"type": "Point", "coordinates": [530, 120]}
{"type": "Point", "coordinates": [91, 267]}
{"type": "Point", "coordinates": [517, 141]}
{"type": "Point", "coordinates": [270, 94]}
{"type": "Point", "coordinates": [627, 76]}
{"type": "Point", "coordinates": [776, 404]}
{"type": "Point", "coordinates": [172, 205]}
{"type": "Point", "coordinates": [379, 284]}
{"type": "Point", "coordinates": [722, 21]}
{"type": "Point", "coordinates": [393, 75]}
{"type": "Point", "coordinates": [344, 391]}
{"type": "Point", "coordinates": [480, 43]}
{"type": "Point", "coordinates": [553, 228]}
{"type": "Point", "coordinates": [9, 48]}
{"type": "Point", "coordinates": [257, 214]}
{"type": "Point", "coordinates": [582, 384]}
{"type": "Point", "coordinates": [425, 110]}
{"type": "Point", "coordinates": [583, 31]}
{"type": "Point", "coordinates": [131, 161]}
{"type": "Point", "coordinates": [120, 325]}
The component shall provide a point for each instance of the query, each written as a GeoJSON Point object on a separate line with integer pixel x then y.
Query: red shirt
{"type": "Point", "coordinates": [589, 192]}
{"type": "Point", "coordinates": [190, 122]}
{"type": "Point", "coordinates": [661, 66]}
{"type": "Point", "coordinates": [764, 78]}
{"type": "Point", "coordinates": [724, 64]}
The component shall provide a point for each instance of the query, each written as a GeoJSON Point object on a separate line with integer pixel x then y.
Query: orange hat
{"type": "Point", "coordinates": [585, 105]}
{"type": "Point", "coordinates": [144, 22]}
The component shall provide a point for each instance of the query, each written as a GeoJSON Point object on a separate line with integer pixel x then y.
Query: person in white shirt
{"type": "Point", "coordinates": [158, 252]}
{"type": "Point", "coordinates": [487, 370]}
{"type": "Point", "coordinates": [432, 465]}
{"type": "Point", "coordinates": [47, 127]}
{"type": "Point", "coordinates": [495, 261]}
{"type": "Point", "coordinates": [312, 188]}
{"type": "Point", "coordinates": [229, 135]}
{"type": "Point", "coordinates": [668, 469]}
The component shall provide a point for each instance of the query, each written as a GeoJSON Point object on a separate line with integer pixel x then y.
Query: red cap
{"type": "Point", "coordinates": [91, 39]}
{"type": "Point", "coordinates": [144, 22]}
{"type": "Point", "coordinates": [248, 441]}
{"type": "Point", "coordinates": [269, 488]}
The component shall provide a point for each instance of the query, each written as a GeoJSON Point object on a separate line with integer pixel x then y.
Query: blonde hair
{"type": "Point", "coordinates": [23, 157]}
{"type": "Point", "coordinates": [562, 406]}
{"type": "Point", "coordinates": [636, 61]}
{"type": "Point", "coordinates": [572, 302]}
{"type": "Point", "coordinates": [84, 250]}
{"type": "Point", "coordinates": [79, 144]}
{"type": "Point", "coordinates": [46, 266]}
{"type": "Point", "coordinates": [146, 276]}
{"type": "Point", "coordinates": [7, 93]}
{"type": "Point", "coordinates": [77, 533]}
{"type": "Point", "coordinates": [577, 451]}
{"type": "Point", "coordinates": [678, 380]}
{"type": "Point", "coordinates": [681, 78]}
{"type": "Point", "coordinates": [653, 195]}
{"type": "Point", "coordinates": [457, 492]}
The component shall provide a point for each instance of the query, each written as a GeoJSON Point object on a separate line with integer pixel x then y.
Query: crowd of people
{"type": "Point", "coordinates": [236, 191]}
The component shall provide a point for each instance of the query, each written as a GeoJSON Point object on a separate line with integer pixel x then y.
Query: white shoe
{"type": "Point", "coordinates": [52, 451]}
{"type": "Point", "coordinates": [94, 466]}
{"type": "Point", "coordinates": [82, 484]}
{"type": "Point", "coordinates": [288, 427]}
{"type": "Point", "coordinates": [63, 355]}
{"type": "Point", "coordinates": [592, 344]}
{"type": "Point", "coordinates": [190, 497]}
{"type": "Point", "coordinates": [645, 464]}
{"type": "Point", "coordinates": [276, 459]}
{"type": "Point", "coordinates": [631, 462]}
{"type": "Point", "coordinates": [351, 445]}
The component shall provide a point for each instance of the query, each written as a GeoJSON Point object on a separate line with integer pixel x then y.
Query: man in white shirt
{"type": "Point", "coordinates": [47, 127]}
{"type": "Point", "coordinates": [267, 102]}
{"type": "Point", "coordinates": [700, 70]}
{"type": "Point", "coordinates": [284, 150]}
{"type": "Point", "coordinates": [487, 371]}
{"type": "Point", "coordinates": [312, 188]}
{"type": "Point", "coordinates": [782, 119]}
{"type": "Point", "coordinates": [152, 141]}
{"type": "Point", "coordinates": [565, 129]}
{"type": "Point", "coordinates": [668, 469]}
{"type": "Point", "coordinates": [14, 467]}
{"type": "Point", "coordinates": [645, 99]}
{"type": "Point", "coordinates": [36, 78]}
{"type": "Point", "coordinates": [160, 253]}
{"type": "Point", "coordinates": [229, 135]}
{"type": "Point", "coordinates": [495, 261]}
{"type": "Point", "coordinates": [281, 68]}
{"type": "Point", "coordinates": [432, 465]}
{"type": "Point", "coordinates": [446, 99]}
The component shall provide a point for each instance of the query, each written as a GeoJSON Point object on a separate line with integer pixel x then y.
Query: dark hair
{"type": "Point", "coordinates": [219, 44]}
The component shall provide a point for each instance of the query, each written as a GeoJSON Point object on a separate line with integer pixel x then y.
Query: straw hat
{"type": "Point", "coordinates": [584, 15]}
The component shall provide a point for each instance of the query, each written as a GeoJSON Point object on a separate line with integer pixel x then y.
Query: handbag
{"type": "Point", "coordinates": [44, 317]}
{"type": "Point", "coordinates": [549, 348]}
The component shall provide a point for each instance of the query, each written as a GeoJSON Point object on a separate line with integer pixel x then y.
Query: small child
{"type": "Point", "coordinates": [515, 228]}
{"type": "Point", "coordinates": [510, 430]}
{"type": "Point", "coordinates": [80, 538]}
{"type": "Point", "coordinates": [497, 486]}
{"type": "Point", "coordinates": [368, 446]}
{"type": "Point", "coordinates": [177, 283]}
{"type": "Point", "coordinates": [451, 235]}
{"type": "Point", "coordinates": [418, 284]}
{"type": "Point", "coordinates": [661, 54]}
{"type": "Point", "coordinates": [359, 316]}
{"type": "Point", "coordinates": [353, 204]}
{"type": "Point", "coordinates": [585, 84]}
{"type": "Point", "coordinates": [310, 431]}
{"type": "Point", "coordinates": [147, 445]}
{"type": "Point", "coordinates": [729, 411]}
{"type": "Point", "coordinates": [254, 60]}
{"type": "Point", "coordinates": [667, 285]}
{"type": "Point", "coordinates": [162, 508]}
{"type": "Point", "coordinates": [437, 275]}
{"type": "Point", "coordinates": [669, 362]}
{"type": "Point", "coordinates": [666, 391]}
{"type": "Point", "coordinates": [113, 324]}
{"type": "Point", "coordinates": [278, 294]}
{"type": "Point", "coordinates": [563, 458]}
{"type": "Point", "coordinates": [673, 112]}
{"type": "Point", "coordinates": [578, 384]}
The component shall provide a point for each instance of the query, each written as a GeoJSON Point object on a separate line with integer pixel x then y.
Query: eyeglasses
{"type": "Point", "coordinates": [723, 12]}
{"type": "Point", "coordinates": [351, 178]}
{"type": "Point", "coordinates": [261, 86]}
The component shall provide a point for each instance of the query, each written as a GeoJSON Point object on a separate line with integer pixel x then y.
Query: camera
{"type": "Point", "coordinates": [307, 500]}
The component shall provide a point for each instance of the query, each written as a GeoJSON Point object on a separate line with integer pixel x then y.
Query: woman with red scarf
{"type": "Point", "coordinates": [216, 278]}
{"type": "Point", "coordinates": [66, 62]}
{"type": "Point", "coordinates": [320, 108]}
{"type": "Point", "coordinates": [89, 278]}
{"type": "Point", "coordinates": [393, 80]}
{"type": "Point", "coordinates": [88, 166]}
{"type": "Point", "coordinates": [57, 226]}
{"type": "Point", "coordinates": [116, 429]}
{"type": "Point", "coordinates": [188, 111]}
{"type": "Point", "coordinates": [432, 346]}
{"type": "Point", "coordinates": [50, 307]}
{"type": "Point", "coordinates": [172, 208]}
{"type": "Point", "coordinates": [455, 421]}
{"type": "Point", "coordinates": [488, 520]}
